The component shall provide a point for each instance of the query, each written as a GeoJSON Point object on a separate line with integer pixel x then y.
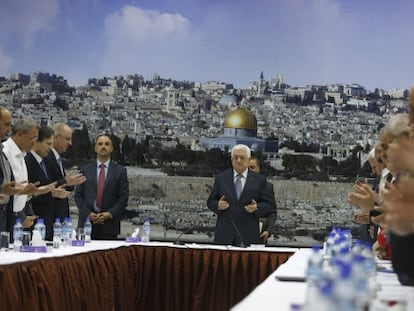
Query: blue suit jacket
{"type": "Point", "coordinates": [235, 224]}
{"type": "Point", "coordinates": [115, 195]}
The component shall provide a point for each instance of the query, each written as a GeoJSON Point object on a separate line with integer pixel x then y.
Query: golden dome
{"type": "Point", "coordinates": [241, 118]}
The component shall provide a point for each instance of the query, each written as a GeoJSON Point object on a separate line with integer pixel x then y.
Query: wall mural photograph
{"type": "Point", "coordinates": [307, 85]}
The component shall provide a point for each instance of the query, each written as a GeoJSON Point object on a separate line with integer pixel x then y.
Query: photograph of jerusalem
{"type": "Point", "coordinates": [307, 85]}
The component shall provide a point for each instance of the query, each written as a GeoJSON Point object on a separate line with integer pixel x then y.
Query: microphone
{"type": "Point", "coordinates": [178, 239]}
{"type": "Point", "coordinates": [238, 233]}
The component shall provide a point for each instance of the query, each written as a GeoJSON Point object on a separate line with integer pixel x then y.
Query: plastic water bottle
{"type": "Point", "coordinates": [360, 279]}
{"type": "Point", "coordinates": [40, 226]}
{"type": "Point", "coordinates": [344, 290]}
{"type": "Point", "coordinates": [87, 229]}
{"type": "Point", "coordinates": [57, 233]}
{"type": "Point", "coordinates": [323, 299]}
{"type": "Point", "coordinates": [146, 231]}
{"type": "Point", "coordinates": [369, 260]}
{"type": "Point", "coordinates": [314, 274]}
{"type": "Point", "coordinates": [18, 234]}
{"type": "Point", "coordinates": [67, 232]}
{"type": "Point", "coordinates": [315, 265]}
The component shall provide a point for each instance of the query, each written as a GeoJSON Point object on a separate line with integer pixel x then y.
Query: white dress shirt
{"type": "Point", "coordinates": [18, 166]}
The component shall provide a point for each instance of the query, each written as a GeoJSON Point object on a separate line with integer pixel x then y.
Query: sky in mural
{"type": "Point", "coordinates": [308, 41]}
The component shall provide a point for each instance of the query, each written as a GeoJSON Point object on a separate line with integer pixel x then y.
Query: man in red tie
{"type": "Point", "coordinates": [104, 195]}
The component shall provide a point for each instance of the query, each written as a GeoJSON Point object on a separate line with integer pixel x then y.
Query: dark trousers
{"type": "Point", "coordinates": [98, 233]}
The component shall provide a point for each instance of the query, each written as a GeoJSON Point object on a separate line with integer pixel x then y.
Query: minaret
{"type": "Point", "coordinates": [260, 89]}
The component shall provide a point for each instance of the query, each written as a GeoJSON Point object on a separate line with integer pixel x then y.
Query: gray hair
{"type": "Point", "coordinates": [398, 125]}
{"type": "Point", "coordinates": [60, 127]}
{"type": "Point", "coordinates": [24, 125]}
{"type": "Point", "coordinates": [241, 147]}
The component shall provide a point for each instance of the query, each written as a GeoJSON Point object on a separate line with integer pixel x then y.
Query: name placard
{"type": "Point", "coordinates": [78, 242]}
{"type": "Point", "coordinates": [33, 249]}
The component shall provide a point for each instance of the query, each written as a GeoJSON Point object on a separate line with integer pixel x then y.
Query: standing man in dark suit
{"type": "Point", "coordinates": [268, 223]}
{"type": "Point", "coordinates": [239, 198]}
{"type": "Point", "coordinates": [62, 140]}
{"type": "Point", "coordinates": [43, 205]}
{"type": "Point", "coordinates": [104, 196]}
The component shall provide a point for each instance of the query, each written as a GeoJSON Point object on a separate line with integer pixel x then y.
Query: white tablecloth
{"type": "Point", "coordinates": [10, 256]}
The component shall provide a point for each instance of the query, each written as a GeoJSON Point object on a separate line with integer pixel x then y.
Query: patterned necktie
{"type": "Point", "coordinates": [101, 183]}
{"type": "Point", "coordinates": [238, 185]}
{"type": "Point", "coordinates": [43, 166]}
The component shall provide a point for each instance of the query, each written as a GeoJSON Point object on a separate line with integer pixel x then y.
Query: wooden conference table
{"type": "Point", "coordinates": [114, 275]}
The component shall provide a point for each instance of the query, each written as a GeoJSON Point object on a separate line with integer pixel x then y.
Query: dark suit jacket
{"type": "Point", "coordinates": [235, 224]}
{"type": "Point", "coordinates": [43, 204]}
{"type": "Point", "coordinates": [270, 220]}
{"type": "Point", "coordinates": [55, 174]}
{"type": "Point", "coordinates": [115, 195]}
{"type": "Point", "coordinates": [402, 257]}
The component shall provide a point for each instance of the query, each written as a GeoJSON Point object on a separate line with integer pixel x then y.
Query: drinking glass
{"type": "Point", "coordinates": [26, 238]}
{"type": "Point", "coordinates": [4, 240]}
{"type": "Point", "coordinates": [80, 234]}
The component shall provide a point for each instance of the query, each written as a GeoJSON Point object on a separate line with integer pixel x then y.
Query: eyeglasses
{"type": "Point", "coordinates": [241, 158]}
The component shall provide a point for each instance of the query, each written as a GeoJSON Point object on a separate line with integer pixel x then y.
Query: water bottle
{"type": "Point", "coordinates": [315, 264]}
{"type": "Point", "coordinates": [146, 231]}
{"type": "Point", "coordinates": [344, 290]}
{"type": "Point", "coordinates": [57, 233]}
{"type": "Point", "coordinates": [18, 234]}
{"type": "Point", "coordinates": [87, 229]}
{"type": "Point", "coordinates": [369, 259]}
{"type": "Point", "coordinates": [323, 299]}
{"type": "Point", "coordinates": [40, 226]}
{"type": "Point", "coordinates": [314, 274]}
{"type": "Point", "coordinates": [67, 231]}
{"type": "Point", "coordinates": [360, 279]}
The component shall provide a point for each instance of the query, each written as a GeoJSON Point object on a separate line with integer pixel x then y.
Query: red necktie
{"type": "Point", "coordinates": [101, 183]}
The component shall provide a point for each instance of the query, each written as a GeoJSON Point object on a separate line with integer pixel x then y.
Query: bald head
{"type": "Point", "coordinates": [5, 122]}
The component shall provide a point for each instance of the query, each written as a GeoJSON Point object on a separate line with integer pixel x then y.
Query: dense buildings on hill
{"type": "Point", "coordinates": [338, 116]}
{"type": "Point", "coordinates": [335, 117]}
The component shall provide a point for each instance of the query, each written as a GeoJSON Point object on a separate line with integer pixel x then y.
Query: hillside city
{"type": "Point", "coordinates": [336, 117]}
{"type": "Point", "coordinates": [184, 112]}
